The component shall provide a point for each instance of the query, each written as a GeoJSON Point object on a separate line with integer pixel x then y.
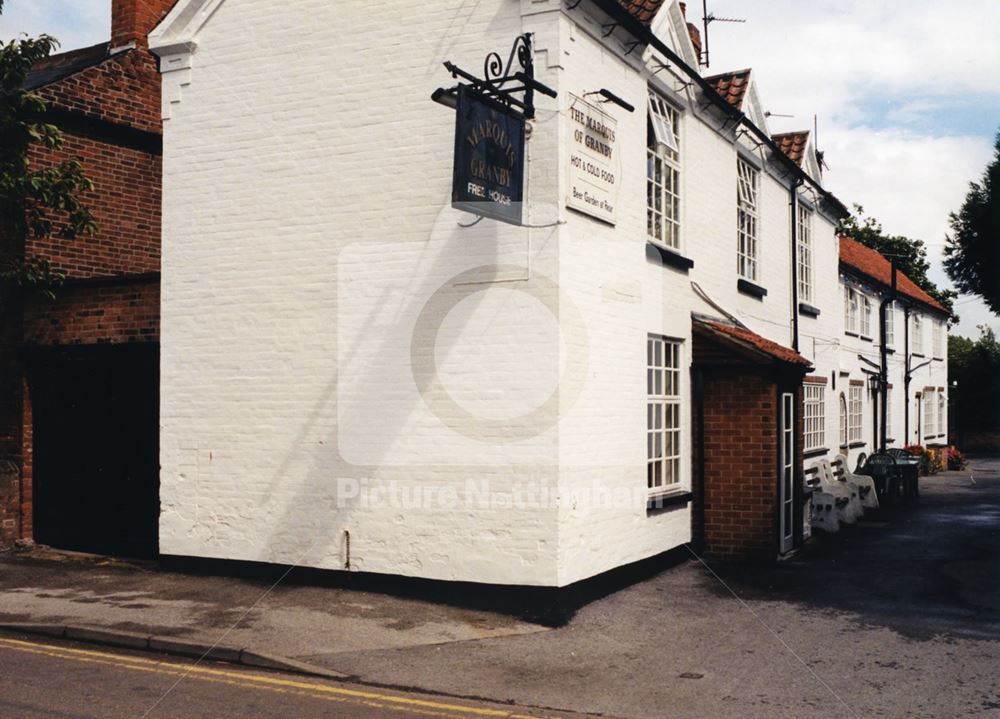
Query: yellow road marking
{"type": "Point", "coordinates": [258, 681]}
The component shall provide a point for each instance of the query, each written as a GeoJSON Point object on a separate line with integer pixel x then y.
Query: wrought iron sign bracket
{"type": "Point", "coordinates": [502, 81]}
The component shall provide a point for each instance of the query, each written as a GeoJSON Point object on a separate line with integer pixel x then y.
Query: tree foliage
{"type": "Point", "coordinates": [973, 368]}
{"type": "Point", "coordinates": [34, 202]}
{"type": "Point", "coordinates": [910, 254]}
{"type": "Point", "coordinates": [972, 255]}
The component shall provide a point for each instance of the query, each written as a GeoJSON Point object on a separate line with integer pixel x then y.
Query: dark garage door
{"type": "Point", "coordinates": [96, 464]}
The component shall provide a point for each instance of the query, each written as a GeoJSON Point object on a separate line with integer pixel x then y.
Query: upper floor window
{"type": "Point", "coordinates": [866, 316]}
{"type": "Point", "coordinates": [937, 335]}
{"type": "Point", "coordinates": [850, 309]}
{"type": "Point", "coordinates": [805, 254]}
{"type": "Point", "coordinates": [890, 324]}
{"type": "Point", "coordinates": [918, 335]}
{"type": "Point", "coordinates": [663, 174]}
{"type": "Point", "coordinates": [747, 185]}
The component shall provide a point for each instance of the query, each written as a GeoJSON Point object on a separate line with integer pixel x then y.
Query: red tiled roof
{"type": "Point", "coordinates": [642, 10]}
{"type": "Point", "coordinates": [731, 85]}
{"type": "Point", "coordinates": [757, 343]}
{"type": "Point", "coordinates": [876, 267]}
{"type": "Point", "coordinates": [793, 145]}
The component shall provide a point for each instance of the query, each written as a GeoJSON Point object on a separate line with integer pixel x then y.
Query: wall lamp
{"type": "Point", "coordinates": [611, 97]}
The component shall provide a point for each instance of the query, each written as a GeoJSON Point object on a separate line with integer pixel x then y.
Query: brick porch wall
{"type": "Point", "coordinates": [741, 465]}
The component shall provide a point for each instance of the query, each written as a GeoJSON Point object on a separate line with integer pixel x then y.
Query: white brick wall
{"type": "Point", "coordinates": [330, 332]}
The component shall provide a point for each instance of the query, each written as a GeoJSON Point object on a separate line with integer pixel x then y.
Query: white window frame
{"type": "Point", "coordinates": [850, 309]}
{"type": "Point", "coordinates": [663, 414]}
{"type": "Point", "coordinates": [942, 425]}
{"type": "Point", "coordinates": [814, 415]}
{"type": "Point", "coordinates": [936, 339]}
{"type": "Point", "coordinates": [747, 219]}
{"type": "Point", "coordinates": [890, 324]}
{"type": "Point", "coordinates": [805, 253]}
{"type": "Point", "coordinates": [918, 334]}
{"type": "Point", "coordinates": [888, 412]}
{"type": "Point", "coordinates": [866, 316]}
{"type": "Point", "coordinates": [855, 413]}
{"type": "Point", "coordinates": [663, 174]}
{"type": "Point", "coordinates": [927, 399]}
{"type": "Point", "coordinates": [844, 435]}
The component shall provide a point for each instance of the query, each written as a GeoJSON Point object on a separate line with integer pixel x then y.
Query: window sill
{"type": "Point", "coordinates": [668, 500]}
{"type": "Point", "coordinates": [916, 354]}
{"type": "Point", "coordinates": [890, 351]}
{"type": "Point", "coordinates": [749, 288]}
{"type": "Point", "coordinates": [851, 334]}
{"type": "Point", "coordinates": [667, 257]}
{"type": "Point", "coordinates": [810, 453]}
{"type": "Point", "coordinates": [808, 310]}
{"type": "Point", "coordinates": [855, 445]}
{"type": "Point", "coordinates": [866, 338]}
{"type": "Point", "coordinates": [890, 440]}
{"type": "Point", "coordinates": [939, 359]}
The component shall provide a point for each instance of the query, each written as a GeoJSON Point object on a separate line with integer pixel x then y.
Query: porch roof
{"type": "Point", "coordinates": [750, 344]}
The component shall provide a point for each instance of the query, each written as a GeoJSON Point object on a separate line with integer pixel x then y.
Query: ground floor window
{"type": "Point", "coordinates": [663, 413]}
{"type": "Point", "coordinates": [854, 413]}
{"type": "Point", "coordinates": [930, 423]}
{"type": "Point", "coordinates": [843, 420]}
{"type": "Point", "coordinates": [814, 415]}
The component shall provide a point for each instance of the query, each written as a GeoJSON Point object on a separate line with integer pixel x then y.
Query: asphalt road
{"type": "Point", "coordinates": [50, 679]}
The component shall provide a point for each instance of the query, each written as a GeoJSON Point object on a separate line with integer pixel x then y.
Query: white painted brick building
{"type": "Point", "coordinates": [355, 376]}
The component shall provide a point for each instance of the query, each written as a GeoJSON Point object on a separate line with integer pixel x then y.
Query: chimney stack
{"type": "Point", "coordinates": [133, 20]}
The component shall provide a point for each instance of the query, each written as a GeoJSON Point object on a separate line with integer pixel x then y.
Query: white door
{"type": "Point", "coordinates": [787, 471]}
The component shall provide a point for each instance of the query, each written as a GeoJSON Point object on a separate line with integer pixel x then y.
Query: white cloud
{"type": "Point", "coordinates": [845, 60]}
{"type": "Point", "coordinates": [75, 23]}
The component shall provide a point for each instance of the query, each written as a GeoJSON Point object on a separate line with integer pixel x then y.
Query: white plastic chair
{"type": "Point", "coordinates": [865, 485]}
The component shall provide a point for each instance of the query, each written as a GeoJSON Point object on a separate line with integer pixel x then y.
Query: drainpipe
{"type": "Point", "coordinates": [794, 192]}
{"type": "Point", "coordinates": [884, 371]}
{"type": "Point", "coordinates": [906, 377]}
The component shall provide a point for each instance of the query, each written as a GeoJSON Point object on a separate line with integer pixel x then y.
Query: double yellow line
{"type": "Point", "coordinates": [316, 690]}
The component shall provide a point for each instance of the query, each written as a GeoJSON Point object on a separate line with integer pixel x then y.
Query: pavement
{"type": "Point", "coordinates": [897, 616]}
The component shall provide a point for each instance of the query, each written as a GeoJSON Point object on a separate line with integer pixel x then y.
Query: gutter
{"type": "Point", "coordinates": [624, 18]}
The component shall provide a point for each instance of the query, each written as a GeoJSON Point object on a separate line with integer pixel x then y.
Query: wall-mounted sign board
{"type": "Point", "coordinates": [593, 160]}
{"type": "Point", "coordinates": [488, 177]}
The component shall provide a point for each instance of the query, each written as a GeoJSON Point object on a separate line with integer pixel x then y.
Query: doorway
{"type": "Point", "coordinates": [96, 448]}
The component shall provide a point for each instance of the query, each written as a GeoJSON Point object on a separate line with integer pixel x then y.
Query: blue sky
{"type": "Point", "coordinates": [907, 94]}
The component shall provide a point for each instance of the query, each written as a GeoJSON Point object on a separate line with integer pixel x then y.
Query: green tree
{"type": "Point", "coordinates": [35, 202]}
{"type": "Point", "coordinates": [973, 367]}
{"type": "Point", "coordinates": [910, 254]}
{"type": "Point", "coordinates": [972, 254]}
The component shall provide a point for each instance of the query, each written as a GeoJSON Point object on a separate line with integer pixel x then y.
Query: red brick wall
{"type": "Point", "coordinates": [741, 466]}
{"type": "Point", "coordinates": [125, 202]}
{"type": "Point", "coordinates": [110, 116]}
{"type": "Point", "coordinates": [87, 314]}
{"type": "Point", "coordinates": [124, 90]}
{"type": "Point", "coordinates": [132, 20]}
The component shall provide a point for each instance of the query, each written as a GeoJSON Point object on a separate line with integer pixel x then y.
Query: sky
{"type": "Point", "coordinates": [906, 94]}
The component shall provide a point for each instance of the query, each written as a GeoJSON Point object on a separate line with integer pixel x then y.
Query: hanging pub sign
{"type": "Point", "coordinates": [488, 175]}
